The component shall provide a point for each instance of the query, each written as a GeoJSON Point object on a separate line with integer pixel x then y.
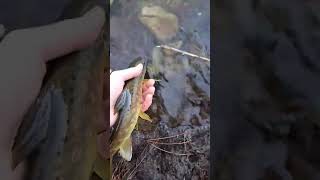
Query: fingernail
{"type": "Point", "coordinates": [140, 66]}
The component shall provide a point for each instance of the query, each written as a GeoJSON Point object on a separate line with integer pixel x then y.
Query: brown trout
{"type": "Point", "coordinates": [129, 107]}
{"type": "Point", "coordinates": [58, 135]}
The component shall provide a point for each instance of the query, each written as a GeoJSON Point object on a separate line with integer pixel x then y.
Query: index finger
{"type": "Point", "coordinates": [130, 73]}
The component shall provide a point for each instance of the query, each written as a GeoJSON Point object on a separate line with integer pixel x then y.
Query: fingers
{"type": "Point", "coordinates": [63, 37]}
{"type": "Point", "coordinates": [70, 35]}
{"type": "Point", "coordinates": [147, 102]}
{"type": "Point", "coordinates": [148, 93]}
{"type": "Point", "coordinates": [148, 84]}
{"type": "Point", "coordinates": [113, 118]}
{"type": "Point", "coordinates": [150, 90]}
{"type": "Point", "coordinates": [129, 73]}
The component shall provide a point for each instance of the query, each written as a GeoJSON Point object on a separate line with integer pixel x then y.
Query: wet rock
{"type": "Point", "coordinates": [171, 92]}
{"type": "Point", "coordinates": [163, 24]}
{"type": "Point", "coordinates": [174, 3]}
{"type": "Point", "coordinates": [157, 61]}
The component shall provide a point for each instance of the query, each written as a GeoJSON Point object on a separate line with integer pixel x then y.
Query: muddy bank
{"type": "Point", "coordinates": [266, 90]}
{"type": "Point", "coordinates": [182, 100]}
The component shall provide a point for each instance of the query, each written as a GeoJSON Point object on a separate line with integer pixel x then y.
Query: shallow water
{"type": "Point", "coordinates": [181, 102]}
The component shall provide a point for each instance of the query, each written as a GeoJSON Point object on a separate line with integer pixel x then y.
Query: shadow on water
{"type": "Point", "coordinates": [181, 103]}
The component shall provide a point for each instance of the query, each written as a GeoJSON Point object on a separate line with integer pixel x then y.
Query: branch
{"type": "Point", "coordinates": [183, 52]}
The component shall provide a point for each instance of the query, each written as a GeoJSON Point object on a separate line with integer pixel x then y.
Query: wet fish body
{"type": "Point", "coordinates": [129, 106]}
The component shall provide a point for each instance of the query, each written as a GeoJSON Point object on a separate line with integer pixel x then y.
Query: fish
{"type": "Point", "coordinates": [129, 110]}
{"type": "Point", "coordinates": [58, 135]}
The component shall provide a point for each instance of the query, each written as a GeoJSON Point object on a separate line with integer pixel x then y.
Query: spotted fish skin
{"type": "Point", "coordinates": [128, 115]}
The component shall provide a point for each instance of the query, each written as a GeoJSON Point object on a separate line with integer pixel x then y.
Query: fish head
{"type": "Point", "coordinates": [144, 62]}
{"type": "Point", "coordinates": [138, 60]}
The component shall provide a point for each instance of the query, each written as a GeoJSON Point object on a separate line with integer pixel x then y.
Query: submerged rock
{"type": "Point", "coordinates": [163, 24]}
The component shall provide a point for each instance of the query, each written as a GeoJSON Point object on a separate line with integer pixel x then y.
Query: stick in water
{"type": "Point", "coordinates": [183, 52]}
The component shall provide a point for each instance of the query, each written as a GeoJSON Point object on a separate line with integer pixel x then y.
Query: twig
{"type": "Point", "coordinates": [183, 52]}
{"type": "Point", "coordinates": [178, 154]}
{"type": "Point", "coordinates": [185, 145]}
{"type": "Point", "coordinates": [145, 154]}
{"type": "Point", "coordinates": [118, 172]}
{"type": "Point", "coordinates": [152, 142]}
{"type": "Point", "coordinates": [168, 137]}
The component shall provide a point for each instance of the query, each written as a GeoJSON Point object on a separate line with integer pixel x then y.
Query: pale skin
{"type": "Point", "coordinates": [23, 58]}
{"type": "Point", "coordinates": [117, 81]}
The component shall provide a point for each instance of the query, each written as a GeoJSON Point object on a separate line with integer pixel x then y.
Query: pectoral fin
{"type": "Point", "coordinates": [144, 116]}
{"type": "Point", "coordinates": [126, 149]}
{"type": "Point", "coordinates": [122, 100]}
{"type": "Point", "coordinates": [33, 129]}
{"type": "Point", "coordinates": [102, 168]}
{"type": "Point", "coordinates": [123, 104]}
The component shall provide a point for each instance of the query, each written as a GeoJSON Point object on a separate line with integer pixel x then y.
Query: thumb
{"type": "Point", "coordinates": [130, 73]}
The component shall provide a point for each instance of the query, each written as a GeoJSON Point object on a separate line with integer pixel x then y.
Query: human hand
{"type": "Point", "coordinates": [117, 82]}
{"type": "Point", "coordinates": [24, 54]}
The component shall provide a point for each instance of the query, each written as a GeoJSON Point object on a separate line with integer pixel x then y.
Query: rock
{"type": "Point", "coordinates": [163, 24]}
{"type": "Point", "coordinates": [157, 61]}
{"type": "Point", "coordinates": [174, 3]}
